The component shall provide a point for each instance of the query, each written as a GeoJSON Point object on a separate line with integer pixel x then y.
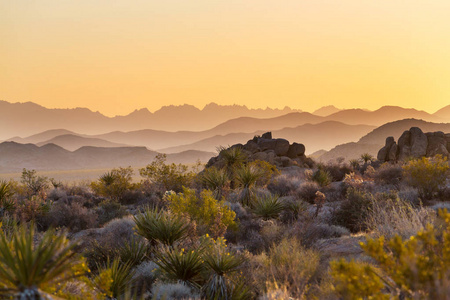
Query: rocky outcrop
{"type": "Point", "coordinates": [275, 151]}
{"type": "Point", "coordinates": [414, 143]}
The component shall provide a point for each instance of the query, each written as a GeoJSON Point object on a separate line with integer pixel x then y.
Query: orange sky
{"type": "Point", "coordinates": [115, 56]}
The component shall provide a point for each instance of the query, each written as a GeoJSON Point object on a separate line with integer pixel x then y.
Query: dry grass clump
{"type": "Point", "coordinates": [286, 263]}
{"type": "Point", "coordinates": [307, 191]}
{"type": "Point", "coordinates": [398, 217]}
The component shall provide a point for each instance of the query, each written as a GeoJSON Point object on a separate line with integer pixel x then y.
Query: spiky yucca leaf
{"type": "Point", "coordinates": [246, 178]}
{"type": "Point", "coordinates": [115, 279]}
{"type": "Point", "coordinates": [215, 180]}
{"type": "Point", "coordinates": [27, 268]}
{"type": "Point", "coordinates": [160, 226]}
{"type": "Point", "coordinates": [268, 207]}
{"type": "Point", "coordinates": [178, 264]}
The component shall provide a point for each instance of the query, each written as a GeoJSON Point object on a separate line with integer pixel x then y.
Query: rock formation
{"type": "Point", "coordinates": [414, 143]}
{"type": "Point", "coordinates": [275, 151]}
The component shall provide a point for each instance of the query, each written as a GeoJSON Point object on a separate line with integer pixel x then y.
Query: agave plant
{"type": "Point", "coordinates": [246, 178]}
{"type": "Point", "coordinates": [180, 265]}
{"type": "Point", "coordinates": [28, 269]}
{"type": "Point", "coordinates": [215, 180]}
{"type": "Point", "coordinates": [223, 265]}
{"type": "Point", "coordinates": [268, 207]}
{"type": "Point", "coordinates": [115, 279]}
{"type": "Point", "coordinates": [160, 226]}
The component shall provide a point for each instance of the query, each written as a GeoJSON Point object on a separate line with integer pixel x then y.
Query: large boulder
{"type": "Point", "coordinates": [281, 147]}
{"type": "Point", "coordinates": [392, 155]}
{"type": "Point", "coordinates": [419, 142]}
{"type": "Point", "coordinates": [437, 144]}
{"type": "Point", "coordinates": [383, 154]}
{"type": "Point", "coordinates": [296, 150]}
{"type": "Point", "coordinates": [266, 144]}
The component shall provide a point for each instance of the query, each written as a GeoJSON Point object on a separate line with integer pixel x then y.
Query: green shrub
{"type": "Point", "coordinates": [169, 177]}
{"type": "Point", "coordinates": [268, 207]}
{"type": "Point", "coordinates": [212, 216]}
{"type": "Point", "coordinates": [7, 204]}
{"type": "Point", "coordinates": [160, 226]}
{"type": "Point", "coordinates": [114, 184]}
{"type": "Point", "coordinates": [416, 268]}
{"type": "Point", "coordinates": [427, 175]}
{"type": "Point", "coordinates": [109, 210]}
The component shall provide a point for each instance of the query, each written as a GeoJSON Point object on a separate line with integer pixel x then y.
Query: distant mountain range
{"type": "Point", "coordinates": [24, 119]}
{"type": "Point", "coordinates": [375, 140]}
{"type": "Point", "coordinates": [14, 157]}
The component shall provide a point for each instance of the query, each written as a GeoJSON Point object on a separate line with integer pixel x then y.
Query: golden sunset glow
{"type": "Point", "coordinates": [116, 56]}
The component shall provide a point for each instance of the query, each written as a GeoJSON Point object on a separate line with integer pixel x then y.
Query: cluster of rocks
{"type": "Point", "coordinates": [414, 143]}
{"type": "Point", "coordinates": [278, 152]}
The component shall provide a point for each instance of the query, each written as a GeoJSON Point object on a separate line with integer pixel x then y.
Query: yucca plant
{"type": "Point", "coordinates": [180, 265]}
{"type": "Point", "coordinates": [6, 203]}
{"type": "Point", "coordinates": [29, 269]}
{"type": "Point", "coordinates": [322, 177]}
{"type": "Point", "coordinates": [223, 265]}
{"type": "Point", "coordinates": [246, 178]}
{"type": "Point", "coordinates": [134, 252]}
{"type": "Point", "coordinates": [215, 180]}
{"type": "Point", "coordinates": [115, 279]}
{"type": "Point", "coordinates": [160, 226]}
{"type": "Point", "coordinates": [232, 158]}
{"type": "Point", "coordinates": [367, 158]}
{"type": "Point", "coordinates": [268, 207]}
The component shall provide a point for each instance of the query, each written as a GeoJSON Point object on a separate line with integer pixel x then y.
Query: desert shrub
{"type": "Point", "coordinates": [283, 184]}
{"type": "Point", "coordinates": [246, 178]}
{"type": "Point", "coordinates": [415, 268]}
{"type": "Point", "coordinates": [286, 263]}
{"type": "Point", "coordinates": [160, 226]}
{"type": "Point", "coordinates": [33, 209]}
{"type": "Point", "coordinates": [396, 217]}
{"type": "Point", "coordinates": [267, 170]}
{"type": "Point", "coordinates": [71, 215]}
{"type": "Point", "coordinates": [307, 191]}
{"type": "Point", "coordinates": [293, 209]}
{"type": "Point", "coordinates": [389, 174]}
{"type": "Point", "coordinates": [35, 184]}
{"type": "Point", "coordinates": [427, 174]}
{"type": "Point", "coordinates": [145, 274]}
{"type": "Point", "coordinates": [322, 177]}
{"type": "Point", "coordinates": [337, 171]}
{"type": "Point", "coordinates": [215, 180]}
{"type": "Point", "coordinates": [212, 216]}
{"type": "Point", "coordinates": [168, 291]}
{"type": "Point", "coordinates": [57, 195]}
{"type": "Point", "coordinates": [109, 210]}
{"type": "Point", "coordinates": [169, 177]}
{"type": "Point", "coordinates": [353, 211]}
{"type": "Point", "coordinates": [309, 232]}
{"type": "Point", "coordinates": [114, 184]}
{"type": "Point", "coordinates": [268, 207]}
{"type": "Point", "coordinates": [50, 258]}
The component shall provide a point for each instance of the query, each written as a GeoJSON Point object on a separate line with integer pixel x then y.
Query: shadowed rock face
{"type": "Point", "coordinates": [275, 151]}
{"type": "Point", "coordinates": [414, 143]}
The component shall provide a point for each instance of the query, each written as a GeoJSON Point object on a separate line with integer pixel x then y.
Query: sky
{"type": "Point", "coordinates": [115, 56]}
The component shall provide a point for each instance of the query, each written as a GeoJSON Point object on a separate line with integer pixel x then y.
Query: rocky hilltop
{"type": "Point", "coordinates": [278, 152]}
{"type": "Point", "coordinates": [415, 143]}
